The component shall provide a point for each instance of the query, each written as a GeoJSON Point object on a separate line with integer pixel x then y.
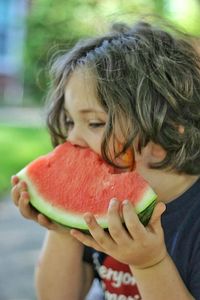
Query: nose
{"type": "Point", "coordinates": [76, 138]}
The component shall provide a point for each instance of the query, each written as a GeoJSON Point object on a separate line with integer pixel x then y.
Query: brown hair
{"type": "Point", "coordinates": [146, 76]}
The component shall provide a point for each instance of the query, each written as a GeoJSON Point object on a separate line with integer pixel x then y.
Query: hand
{"type": "Point", "coordinates": [135, 245]}
{"type": "Point", "coordinates": [21, 199]}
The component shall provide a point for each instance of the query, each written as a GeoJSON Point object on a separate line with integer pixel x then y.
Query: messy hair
{"type": "Point", "coordinates": [145, 76]}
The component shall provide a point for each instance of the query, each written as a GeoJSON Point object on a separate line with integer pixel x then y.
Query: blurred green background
{"type": "Point", "coordinates": [48, 26]}
{"type": "Point", "coordinates": [19, 145]}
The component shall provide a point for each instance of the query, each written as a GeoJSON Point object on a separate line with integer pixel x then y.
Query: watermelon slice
{"type": "Point", "coordinates": [70, 181]}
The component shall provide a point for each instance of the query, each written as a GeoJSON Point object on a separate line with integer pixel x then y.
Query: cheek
{"type": "Point", "coordinates": [95, 141]}
{"type": "Point", "coordinates": [128, 158]}
{"type": "Point", "coordinates": [97, 149]}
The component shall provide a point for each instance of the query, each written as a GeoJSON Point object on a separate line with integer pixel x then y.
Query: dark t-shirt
{"type": "Point", "coordinates": [181, 224]}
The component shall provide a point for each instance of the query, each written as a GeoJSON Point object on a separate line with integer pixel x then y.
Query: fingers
{"type": "Point", "coordinates": [29, 212]}
{"type": "Point", "coordinates": [138, 245]}
{"type": "Point", "coordinates": [86, 239]}
{"type": "Point", "coordinates": [26, 210]}
{"type": "Point", "coordinates": [18, 188]}
{"type": "Point", "coordinates": [98, 240]}
{"type": "Point", "coordinates": [116, 227]}
{"type": "Point", "coordinates": [14, 180]}
{"type": "Point", "coordinates": [118, 235]}
{"type": "Point", "coordinates": [21, 199]}
{"type": "Point", "coordinates": [15, 194]}
{"type": "Point", "coordinates": [45, 222]}
{"type": "Point", "coordinates": [155, 221]}
{"type": "Point", "coordinates": [98, 233]}
{"type": "Point", "coordinates": [135, 228]}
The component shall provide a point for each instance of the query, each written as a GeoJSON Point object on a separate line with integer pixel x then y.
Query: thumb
{"type": "Point", "coordinates": [155, 221]}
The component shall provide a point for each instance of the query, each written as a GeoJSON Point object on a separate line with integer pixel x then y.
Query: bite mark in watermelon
{"type": "Point", "coordinates": [69, 181]}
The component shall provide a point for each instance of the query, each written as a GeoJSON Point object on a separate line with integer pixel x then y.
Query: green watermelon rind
{"type": "Point", "coordinates": [143, 209]}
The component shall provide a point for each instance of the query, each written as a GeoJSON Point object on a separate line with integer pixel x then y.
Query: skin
{"type": "Point", "coordinates": [142, 248]}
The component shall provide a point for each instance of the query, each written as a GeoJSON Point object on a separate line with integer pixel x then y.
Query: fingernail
{"type": "Point", "coordinates": [73, 232]}
{"type": "Point", "coordinates": [88, 219]}
{"type": "Point", "coordinates": [14, 180]}
{"type": "Point", "coordinates": [23, 186]}
{"type": "Point", "coordinates": [25, 195]}
{"type": "Point", "coordinates": [125, 202]}
{"type": "Point", "coordinates": [112, 203]}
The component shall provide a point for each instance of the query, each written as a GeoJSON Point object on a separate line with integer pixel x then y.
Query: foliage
{"type": "Point", "coordinates": [54, 25]}
{"type": "Point", "coordinates": [19, 146]}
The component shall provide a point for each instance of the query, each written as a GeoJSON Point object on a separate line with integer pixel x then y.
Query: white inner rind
{"type": "Point", "coordinates": [71, 219]}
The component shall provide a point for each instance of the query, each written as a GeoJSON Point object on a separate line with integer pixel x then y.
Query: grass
{"type": "Point", "coordinates": [19, 146]}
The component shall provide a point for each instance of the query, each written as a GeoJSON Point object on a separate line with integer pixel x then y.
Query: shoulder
{"type": "Point", "coordinates": [181, 224]}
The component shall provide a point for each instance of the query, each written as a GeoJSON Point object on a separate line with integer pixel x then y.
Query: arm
{"type": "Point", "coordinates": [161, 281]}
{"type": "Point", "coordinates": [61, 274]}
{"type": "Point", "coordinates": [142, 248]}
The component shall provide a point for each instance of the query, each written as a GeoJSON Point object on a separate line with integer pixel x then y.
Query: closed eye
{"type": "Point", "coordinates": [97, 124]}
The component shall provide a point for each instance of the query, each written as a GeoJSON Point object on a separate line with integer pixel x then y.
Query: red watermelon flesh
{"type": "Point", "coordinates": [71, 180]}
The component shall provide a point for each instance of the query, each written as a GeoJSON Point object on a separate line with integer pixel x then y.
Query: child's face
{"type": "Point", "coordinates": [85, 118]}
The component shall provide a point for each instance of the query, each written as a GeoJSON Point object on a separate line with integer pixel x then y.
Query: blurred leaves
{"type": "Point", "coordinates": [31, 143]}
{"type": "Point", "coordinates": [54, 25]}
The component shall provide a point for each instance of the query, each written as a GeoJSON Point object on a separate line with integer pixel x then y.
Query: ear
{"type": "Point", "coordinates": [181, 129]}
{"type": "Point", "coordinates": [157, 151]}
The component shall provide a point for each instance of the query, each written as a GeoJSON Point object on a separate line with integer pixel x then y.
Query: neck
{"type": "Point", "coordinates": [167, 185]}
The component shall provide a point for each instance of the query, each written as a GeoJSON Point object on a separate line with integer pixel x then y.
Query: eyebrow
{"type": "Point", "coordinates": [87, 111]}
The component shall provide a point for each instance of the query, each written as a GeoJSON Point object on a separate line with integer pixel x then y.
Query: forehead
{"type": "Point", "coordinates": [81, 89]}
